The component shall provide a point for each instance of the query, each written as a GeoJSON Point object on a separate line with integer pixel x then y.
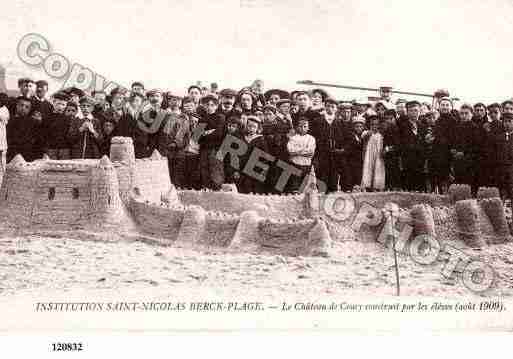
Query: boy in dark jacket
{"type": "Point", "coordinates": [85, 133]}
{"type": "Point", "coordinates": [412, 147]}
{"type": "Point", "coordinates": [24, 132]}
{"type": "Point", "coordinates": [213, 124]}
{"type": "Point", "coordinates": [391, 151]}
{"type": "Point", "coordinates": [252, 182]}
{"type": "Point", "coordinates": [231, 173]}
{"type": "Point", "coordinates": [465, 149]}
{"type": "Point", "coordinates": [504, 151]}
{"type": "Point", "coordinates": [55, 130]}
{"type": "Point", "coordinates": [108, 131]}
{"type": "Point", "coordinates": [353, 155]}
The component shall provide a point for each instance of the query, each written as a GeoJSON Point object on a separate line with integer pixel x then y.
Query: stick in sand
{"type": "Point", "coordinates": [392, 210]}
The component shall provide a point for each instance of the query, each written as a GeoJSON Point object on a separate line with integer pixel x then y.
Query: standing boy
{"type": "Point", "coordinates": [301, 148]}
{"type": "Point", "coordinates": [84, 132]}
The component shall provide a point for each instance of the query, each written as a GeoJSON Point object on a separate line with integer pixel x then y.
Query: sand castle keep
{"type": "Point", "coordinates": [124, 196]}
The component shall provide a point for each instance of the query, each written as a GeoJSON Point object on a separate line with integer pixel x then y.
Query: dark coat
{"type": "Point", "coordinates": [45, 107]}
{"type": "Point", "coordinates": [55, 129]}
{"type": "Point", "coordinates": [84, 144]}
{"type": "Point", "coordinates": [247, 183]}
{"type": "Point", "coordinates": [412, 147]}
{"type": "Point", "coordinates": [123, 120]}
{"type": "Point", "coordinates": [444, 133]}
{"type": "Point", "coordinates": [149, 134]}
{"type": "Point", "coordinates": [24, 136]}
{"type": "Point", "coordinates": [213, 140]}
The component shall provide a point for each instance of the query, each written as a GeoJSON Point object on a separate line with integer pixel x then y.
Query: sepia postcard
{"type": "Point", "coordinates": [256, 165]}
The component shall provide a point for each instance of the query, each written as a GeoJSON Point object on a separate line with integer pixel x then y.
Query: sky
{"type": "Point", "coordinates": [462, 45]}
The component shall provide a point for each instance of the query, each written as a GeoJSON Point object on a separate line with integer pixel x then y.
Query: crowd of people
{"type": "Point", "coordinates": [384, 145]}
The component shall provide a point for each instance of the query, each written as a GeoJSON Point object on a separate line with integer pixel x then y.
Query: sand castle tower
{"type": "Point", "coordinates": [123, 158]}
{"type": "Point", "coordinates": [17, 192]}
{"type": "Point", "coordinates": [122, 150]}
{"type": "Point", "coordinates": [106, 207]}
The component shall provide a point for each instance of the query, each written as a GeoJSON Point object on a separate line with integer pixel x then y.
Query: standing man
{"type": "Point", "coordinates": [504, 151]}
{"type": "Point", "coordinates": [149, 131]}
{"type": "Point", "coordinates": [40, 100]}
{"type": "Point", "coordinates": [443, 144]}
{"type": "Point", "coordinates": [412, 148]}
{"type": "Point", "coordinates": [325, 160]}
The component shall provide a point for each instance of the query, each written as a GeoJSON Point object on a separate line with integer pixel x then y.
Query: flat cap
{"type": "Point", "coordinates": [228, 93]}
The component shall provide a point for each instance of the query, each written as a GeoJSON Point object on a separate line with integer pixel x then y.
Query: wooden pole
{"type": "Point", "coordinates": [312, 83]}
{"type": "Point", "coordinates": [391, 234]}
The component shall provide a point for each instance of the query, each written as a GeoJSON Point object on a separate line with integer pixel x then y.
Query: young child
{"type": "Point", "coordinates": [252, 182]}
{"type": "Point", "coordinates": [391, 151]}
{"type": "Point", "coordinates": [71, 110]}
{"type": "Point", "coordinates": [353, 152]}
{"type": "Point", "coordinates": [108, 131]}
{"type": "Point", "coordinates": [301, 148]}
{"type": "Point", "coordinates": [187, 149]}
{"type": "Point", "coordinates": [85, 132]}
{"type": "Point", "coordinates": [373, 175]}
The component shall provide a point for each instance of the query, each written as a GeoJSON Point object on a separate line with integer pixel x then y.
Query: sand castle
{"type": "Point", "coordinates": [122, 196]}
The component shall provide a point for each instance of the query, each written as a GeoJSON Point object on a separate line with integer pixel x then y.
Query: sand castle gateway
{"type": "Point", "coordinates": [122, 196]}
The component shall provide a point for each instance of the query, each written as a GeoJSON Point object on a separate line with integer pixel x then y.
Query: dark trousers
{"type": "Point", "coordinates": [392, 174]}
{"type": "Point", "coordinates": [212, 170]}
{"type": "Point", "coordinates": [295, 182]}
{"type": "Point", "coordinates": [464, 173]}
{"type": "Point", "coordinates": [351, 176]}
{"type": "Point", "coordinates": [326, 171]}
{"type": "Point", "coordinates": [187, 171]}
{"type": "Point", "coordinates": [505, 181]}
{"type": "Point", "coordinates": [414, 179]}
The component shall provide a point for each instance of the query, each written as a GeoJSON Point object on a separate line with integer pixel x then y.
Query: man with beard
{"type": "Point", "coordinates": [138, 87]}
{"type": "Point", "coordinates": [226, 108]}
{"type": "Point", "coordinates": [148, 132]}
{"type": "Point", "coordinates": [24, 132]}
{"type": "Point", "coordinates": [40, 101]}
{"type": "Point", "coordinates": [443, 142]}
{"type": "Point", "coordinates": [412, 146]}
